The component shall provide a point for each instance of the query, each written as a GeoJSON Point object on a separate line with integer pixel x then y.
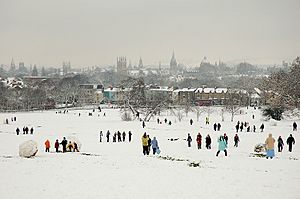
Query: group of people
{"type": "Point", "coordinates": [199, 141]}
{"type": "Point", "coordinates": [240, 126]}
{"type": "Point", "coordinates": [66, 146]}
{"type": "Point", "coordinates": [147, 143]}
{"type": "Point", "coordinates": [270, 143]}
{"type": "Point", "coordinates": [13, 119]}
{"type": "Point", "coordinates": [165, 120]}
{"type": "Point", "coordinates": [25, 130]}
{"type": "Point", "coordinates": [217, 127]}
{"type": "Point", "coordinates": [117, 136]}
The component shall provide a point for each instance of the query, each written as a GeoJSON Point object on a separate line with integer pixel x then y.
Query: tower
{"type": "Point", "coordinates": [12, 65]}
{"type": "Point", "coordinates": [141, 63]}
{"type": "Point", "coordinates": [122, 65]}
{"type": "Point", "coordinates": [173, 64]}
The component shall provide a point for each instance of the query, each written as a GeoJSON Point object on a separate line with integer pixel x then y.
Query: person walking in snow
{"type": "Point", "coordinates": [294, 126]}
{"type": "Point", "coordinates": [56, 145]}
{"type": "Point", "coordinates": [236, 140]}
{"type": "Point", "coordinates": [145, 144]}
{"type": "Point", "coordinates": [290, 141]}
{"type": "Point", "coordinates": [75, 147]}
{"type": "Point", "coordinates": [107, 136]}
{"type": "Point", "coordinates": [129, 136]}
{"type": "Point", "coordinates": [191, 122]}
{"type": "Point", "coordinates": [208, 142]}
{"type": "Point", "coordinates": [254, 128]}
{"type": "Point", "coordinates": [207, 120]}
{"type": "Point", "coordinates": [123, 136]}
{"type": "Point", "coordinates": [215, 126]}
{"type": "Point", "coordinates": [154, 145]}
{"type": "Point", "coordinates": [101, 134]}
{"type": "Point", "coordinates": [280, 144]}
{"type": "Point", "coordinates": [64, 143]}
{"type": "Point", "coordinates": [18, 131]}
{"type": "Point", "coordinates": [225, 138]}
{"type": "Point", "coordinates": [31, 131]}
{"type": "Point", "coordinates": [189, 140]}
{"type": "Point", "coordinates": [149, 143]}
{"type": "Point", "coordinates": [119, 136]}
{"type": "Point", "coordinates": [143, 124]}
{"type": "Point", "coordinates": [199, 140]}
{"type": "Point", "coordinates": [262, 126]}
{"type": "Point", "coordinates": [241, 127]}
{"type": "Point", "coordinates": [47, 145]}
{"type": "Point", "coordinates": [219, 126]}
{"type": "Point", "coordinates": [222, 145]}
{"type": "Point", "coordinates": [270, 141]}
{"type": "Point", "coordinates": [237, 127]}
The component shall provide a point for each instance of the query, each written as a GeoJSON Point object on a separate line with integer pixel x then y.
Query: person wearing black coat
{"type": "Point", "coordinates": [294, 126]}
{"type": "Point", "coordinates": [290, 141]}
{"type": "Point", "coordinates": [189, 140]}
{"type": "Point", "coordinates": [18, 131]}
{"type": "Point", "coordinates": [64, 143]}
{"type": "Point", "coordinates": [208, 142]}
{"type": "Point", "coordinates": [280, 144]}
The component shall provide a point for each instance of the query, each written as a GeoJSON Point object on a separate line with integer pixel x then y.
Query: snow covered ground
{"type": "Point", "coordinates": [120, 170]}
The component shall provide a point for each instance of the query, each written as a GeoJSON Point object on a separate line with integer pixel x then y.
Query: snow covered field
{"type": "Point", "coordinates": [120, 170]}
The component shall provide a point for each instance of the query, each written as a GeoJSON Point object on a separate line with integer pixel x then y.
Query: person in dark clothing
{"type": "Point", "coordinates": [123, 136]}
{"type": "Point", "coordinates": [254, 128]}
{"type": "Point", "coordinates": [64, 143]}
{"type": "Point", "coordinates": [100, 135]}
{"type": "Point", "coordinates": [119, 136]}
{"type": "Point", "coordinates": [107, 135]}
{"type": "Point", "coordinates": [280, 144]}
{"type": "Point", "coordinates": [166, 120]}
{"type": "Point", "coordinates": [225, 138]}
{"type": "Point", "coordinates": [129, 136]}
{"type": "Point", "coordinates": [237, 127]}
{"type": "Point", "coordinates": [248, 129]}
{"type": "Point", "coordinates": [149, 143]}
{"type": "Point", "coordinates": [189, 140]}
{"type": "Point", "coordinates": [170, 123]}
{"type": "Point", "coordinates": [26, 130]}
{"type": "Point", "coordinates": [56, 145]}
{"type": "Point", "coordinates": [191, 122]}
{"type": "Point", "coordinates": [143, 124]}
{"type": "Point", "coordinates": [294, 126]}
{"type": "Point", "coordinates": [262, 126]}
{"type": "Point", "coordinates": [199, 140]}
{"type": "Point", "coordinates": [75, 147]}
{"type": "Point", "coordinates": [208, 142]}
{"type": "Point", "coordinates": [18, 131]}
{"type": "Point", "coordinates": [219, 126]}
{"type": "Point", "coordinates": [15, 119]}
{"type": "Point", "coordinates": [252, 116]}
{"type": "Point", "coordinates": [115, 137]}
{"type": "Point", "coordinates": [215, 126]}
{"type": "Point", "coordinates": [241, 127]}
{"type": "Point", "coordinates": [157, 120]}
{"type": "Point", "coordinates": [290, 141]}
{"type": "Point", "coordinates": [236, 140]}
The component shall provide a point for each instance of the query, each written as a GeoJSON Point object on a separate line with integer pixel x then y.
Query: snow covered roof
{"type": "Point", "coordinates": [211, 90]}
{"type": "Point", "coordinates": [185, 90]}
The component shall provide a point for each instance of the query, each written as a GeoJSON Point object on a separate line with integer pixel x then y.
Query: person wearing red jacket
{"type": "Point", "coordinates": [47, 145]}
{"type": "Point", "coordinates": [199, 140]}
{"type": "Point", "coordinates": [56, 145]}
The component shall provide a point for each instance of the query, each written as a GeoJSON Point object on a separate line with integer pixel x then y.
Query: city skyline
{"type": "Point", "coordinates": [90, 33]}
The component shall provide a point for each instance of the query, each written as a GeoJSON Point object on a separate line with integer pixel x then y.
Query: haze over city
{"type": "Point", "coordinates": [95, 32]}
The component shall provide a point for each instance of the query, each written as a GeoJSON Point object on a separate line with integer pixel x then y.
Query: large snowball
{"type": "Point", "coordinates": [28, 149]}
{"type": "Point", "coordinates": [74, 139]}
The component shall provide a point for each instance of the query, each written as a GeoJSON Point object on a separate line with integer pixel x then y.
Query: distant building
{"type": "Point", "coordinates": [122, 65]}
{"type": "Point", "coordinates": [141, 63]}
{"type": "Point", "coordinates": [173, 65]}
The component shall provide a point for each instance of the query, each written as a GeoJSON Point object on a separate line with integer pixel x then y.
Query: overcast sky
{"type": "Point", "coordinates": [95, 32]}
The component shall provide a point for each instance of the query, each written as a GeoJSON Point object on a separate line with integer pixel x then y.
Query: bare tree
{"type": "Point", "coordinates": [232, 103]}
{"type": "Point", "coordinates": [199, 110]}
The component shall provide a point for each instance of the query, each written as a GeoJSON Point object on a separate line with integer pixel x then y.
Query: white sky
{"type": "Point", "coordinates": [95, 32]}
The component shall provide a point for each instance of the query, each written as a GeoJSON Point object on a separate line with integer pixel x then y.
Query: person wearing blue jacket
{"type": "Point", "coordinates": [222, 145]}
{"type": "Point", "coordinates": [154, 144]}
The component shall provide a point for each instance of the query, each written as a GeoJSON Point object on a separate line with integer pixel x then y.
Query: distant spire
{"type": "Point", "coordinates": [140, 63]}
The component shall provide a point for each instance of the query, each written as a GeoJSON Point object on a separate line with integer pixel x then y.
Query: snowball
{"type": "Point", "coordinates": [28, 149]}
{"type": "Point", "coordinates": [74, 139]}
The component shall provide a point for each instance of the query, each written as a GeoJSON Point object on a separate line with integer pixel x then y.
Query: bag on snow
{"type": "Point", "coordinates": [158, 151]}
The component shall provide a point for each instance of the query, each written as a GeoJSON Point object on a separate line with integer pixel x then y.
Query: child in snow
{"type": "Point", "coordinates": [222, 145]}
